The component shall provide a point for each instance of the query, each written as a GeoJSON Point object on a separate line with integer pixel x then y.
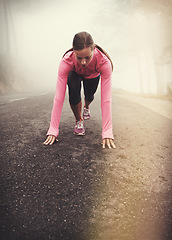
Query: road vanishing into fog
{"type": "Point", "coordinates": [76, 190]}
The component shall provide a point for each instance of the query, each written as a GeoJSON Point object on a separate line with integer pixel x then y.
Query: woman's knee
{"type": "Point", "coordinates": [74, 101]}
{"type": "Point", "coordinates": [74, 88]}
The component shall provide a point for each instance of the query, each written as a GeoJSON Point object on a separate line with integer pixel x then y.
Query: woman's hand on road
{"type": "Point", "coordinates": [106, 141]}
{"type": "Point", "coordinates": [109, 142]}
{"type": "Point", "coordinates": [50, 140]}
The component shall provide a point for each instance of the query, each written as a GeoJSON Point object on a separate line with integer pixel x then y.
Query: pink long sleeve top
{"type": "Point", "coordinates": [99, 64]}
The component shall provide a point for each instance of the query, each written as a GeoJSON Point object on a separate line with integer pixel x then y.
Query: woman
{"type": "Point", "coordinates": [84, 62]}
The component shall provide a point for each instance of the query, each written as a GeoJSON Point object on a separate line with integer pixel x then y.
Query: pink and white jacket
{"type": "Point", "coordinates": [99, 64]}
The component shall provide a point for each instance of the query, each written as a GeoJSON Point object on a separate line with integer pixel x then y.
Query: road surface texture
{"type": "Point", "coordinates": [74, 189]}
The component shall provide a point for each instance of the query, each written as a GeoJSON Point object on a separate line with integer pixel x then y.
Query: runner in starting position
{"type": "Point", "coordinates": [86, 62]}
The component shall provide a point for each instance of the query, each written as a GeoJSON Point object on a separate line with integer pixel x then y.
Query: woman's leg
{"type": "Point", "coordinates": [76, 109]}
{"type": "Point", "coordinates": [87, 103]}
{"type": "Point", "coordinates": [90, 87]}
{"type": "Point", "coordinates": [74, 89]}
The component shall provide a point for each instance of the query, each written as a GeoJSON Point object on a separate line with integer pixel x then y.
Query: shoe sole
{"type": "Point", "coordinates": [86, 118]}
{"type": "Point", "coordinates": [79, 134]}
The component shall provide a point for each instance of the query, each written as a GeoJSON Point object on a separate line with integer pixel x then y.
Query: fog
{"type": "Point", "coordinates": [35, 35]}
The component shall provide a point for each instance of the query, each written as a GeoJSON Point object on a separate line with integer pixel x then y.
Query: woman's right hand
{"type": "Point", "coordinates": [50, 140]}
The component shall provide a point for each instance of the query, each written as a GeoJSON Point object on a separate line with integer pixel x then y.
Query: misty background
{"type": "Point", "coordinates": [137, 34]}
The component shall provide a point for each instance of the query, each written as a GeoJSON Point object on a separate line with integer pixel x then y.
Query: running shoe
{"type": "Point", "coordinates": [79, 128]}
{"type": "Point", "coordinates": [86, 114]}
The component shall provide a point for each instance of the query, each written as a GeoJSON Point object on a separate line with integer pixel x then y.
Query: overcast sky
{"type": "Point", "coordinates": [44, 31]}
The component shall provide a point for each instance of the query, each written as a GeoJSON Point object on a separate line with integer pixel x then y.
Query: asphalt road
{"type": "Point", "coordinates": [74, 189]}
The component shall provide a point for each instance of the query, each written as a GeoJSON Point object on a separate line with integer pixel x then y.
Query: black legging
{"type": "Point", "coordinates": [74, 87]}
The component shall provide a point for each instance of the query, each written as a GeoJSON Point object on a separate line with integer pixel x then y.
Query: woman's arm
{"type": "Point", "coordinates": [63, 73]}
{"type": "Point", "coordinates": [106, 103]}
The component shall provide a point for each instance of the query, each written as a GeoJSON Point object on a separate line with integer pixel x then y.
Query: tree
{"type": "Point", "coordinates": [143, 29]}
{"type": "Point", "coordinates": [9, 56]}
{"type": "Point", "coordinates": [162, 53]}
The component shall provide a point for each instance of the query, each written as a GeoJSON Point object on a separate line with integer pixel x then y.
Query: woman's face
{"type": "Point", "coordinates": [84, 56]}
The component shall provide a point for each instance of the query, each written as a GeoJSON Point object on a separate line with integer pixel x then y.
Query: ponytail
{"type": "Point", "coordinates": [71, 49]}
{"type": "Point", "coordinates": [103, 51]}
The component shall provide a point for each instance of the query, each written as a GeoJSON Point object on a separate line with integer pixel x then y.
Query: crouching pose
{"type": "Point", "coordinates": [84, 62]}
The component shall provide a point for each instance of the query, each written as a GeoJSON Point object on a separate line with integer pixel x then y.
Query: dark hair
{"type": "Point", "coordinates": [107, 55]}
{"type": "Point", "coordinates": [83, 40]}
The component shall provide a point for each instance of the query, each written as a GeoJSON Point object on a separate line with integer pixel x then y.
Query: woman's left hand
{"type": "Point", "coordinates": [109, 142]}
